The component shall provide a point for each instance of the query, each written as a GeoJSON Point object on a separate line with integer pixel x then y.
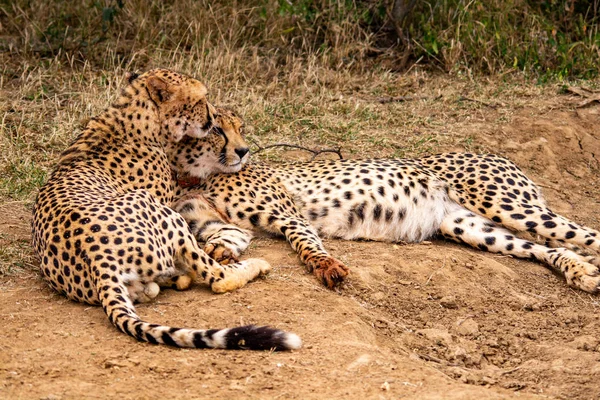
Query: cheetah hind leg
{"type": "Point", "coordinates": [585, 252]}
{"type": "Point", "coordinates": [463, 226]}
{"type": "Point", "coordinates": [221, 278]}
{"type": "Point", "coordinates": [179, 282]}
{"type": "Point", "coordinates": [558, 231]}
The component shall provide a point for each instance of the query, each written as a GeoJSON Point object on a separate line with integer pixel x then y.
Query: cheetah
{"type": "Point", "coordinates": [482, 200]}
{"type": "Point", "coordinates": [103, 229]}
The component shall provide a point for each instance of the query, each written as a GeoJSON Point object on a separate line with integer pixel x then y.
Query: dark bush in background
{"type": "Point", "coordinates": [543, 39]}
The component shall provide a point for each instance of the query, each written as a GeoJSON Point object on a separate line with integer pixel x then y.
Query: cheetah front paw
{"type": "Point", "coordinates": [258, 267]}
{"type": "Point", "coordinates": [237, 275]}
{"type": "Point", "coordinates": [220, 253]}
{"type": "Point", "coordinates": [330, 271]}
{"type": "Point", "coordinates": [583, 276]}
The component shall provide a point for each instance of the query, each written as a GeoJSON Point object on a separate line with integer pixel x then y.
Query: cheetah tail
{"type": "Point", "coordinates": [121, 312]}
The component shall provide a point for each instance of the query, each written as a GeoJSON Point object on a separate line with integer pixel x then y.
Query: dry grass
{"type": "Point", "coordinates": [44, 105]}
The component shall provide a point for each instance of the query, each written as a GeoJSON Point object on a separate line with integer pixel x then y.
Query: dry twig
{"type": "Point", "coordinates": [590, 96]}
{"type": "Point", "coordinates": [510, 371]}
{"type": "Point", "coordinates": [431, 358]}
{"type": "Point", "coordinates": [581, 91]}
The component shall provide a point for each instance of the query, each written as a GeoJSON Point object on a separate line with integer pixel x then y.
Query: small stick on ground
{"type": "Point", "coordinates": [510, 371]}
{"type": "Point", "coordinates": [431, 358]}
{"type": "Point", "coordinates": [581, 91]}
{"type": "Point", "coordinates": [315, 152]}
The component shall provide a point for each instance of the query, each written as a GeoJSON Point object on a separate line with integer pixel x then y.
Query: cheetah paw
{"type": "Point", "coordinates": [151, 290]}
{"type": "Point", "coordinates": [220, 253]}
{"type": "Point", "coordinates": [183, 282]}
{"type": "Point", "coordinates": [142, 293]}
{"type": "Point", "coordinates": [260, 266]}
{"type": "Point", "coordinates": [237, 275]}
{"type": "Point", "coordinates": [584, 276]}
{"type": "Point", "coordinates": [330, 272]}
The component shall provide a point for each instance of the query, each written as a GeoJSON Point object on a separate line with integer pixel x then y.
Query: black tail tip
{"type": "Point", "coordinates": [253, 337]}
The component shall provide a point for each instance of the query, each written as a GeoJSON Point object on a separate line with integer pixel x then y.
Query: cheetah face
{"type": "Point", "coordinates": [224, 150]}
{"type": "Point", "coordinates": [182, 105]}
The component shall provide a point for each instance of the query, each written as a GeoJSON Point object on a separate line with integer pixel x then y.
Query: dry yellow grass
{"type": "Point", "coordinates": [43, 107]}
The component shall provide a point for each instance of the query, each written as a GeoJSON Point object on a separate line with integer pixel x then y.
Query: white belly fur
{"type": "Point", "coordinates": [420, 222]}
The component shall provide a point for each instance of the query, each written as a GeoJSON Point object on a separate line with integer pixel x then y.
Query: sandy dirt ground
{"type": "Point", "coordinates": [429, 321]}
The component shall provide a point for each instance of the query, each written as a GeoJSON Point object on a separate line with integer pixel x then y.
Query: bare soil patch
{"type": "Point", "coordinates": [433, 320]}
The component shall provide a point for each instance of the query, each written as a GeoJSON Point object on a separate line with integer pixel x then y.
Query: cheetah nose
{"type": "Point", "coordinates": [242, 151]}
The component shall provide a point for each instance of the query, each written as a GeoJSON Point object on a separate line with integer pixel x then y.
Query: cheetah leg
{"type": "Point", "coordinates": [306, 242]}
{"type": "Point", "coordinates": [557, 229]}
{"type": "Point", "coordinates": [222, 278]}
{"type": "Point", "coordinates": [179, 282]}
{"type": "Point", "coordinates": [209, 225]}
{"type": "Point", "coordinates": [224, 242]}
{"type": "Point", "coordinates": [196, 264]}
{"type": "Point", "coordinates": [466, 227]}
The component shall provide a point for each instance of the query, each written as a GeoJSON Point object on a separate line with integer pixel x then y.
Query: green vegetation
{"type": "Point", "coordinates": [544, 39]}
{"type": "Point", "coordinates": [21, 179]}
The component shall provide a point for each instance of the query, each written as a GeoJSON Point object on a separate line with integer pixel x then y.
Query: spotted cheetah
{"type": "Point", "coordinates": [103, 228]}
{"type": "Point", "coordinates": [482, 200]}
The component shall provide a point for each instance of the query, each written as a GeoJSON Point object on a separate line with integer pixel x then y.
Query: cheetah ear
{"type": "Point", "coordinates": [158, 89]}
{"type": "Point", "coordinates": [131, 76]}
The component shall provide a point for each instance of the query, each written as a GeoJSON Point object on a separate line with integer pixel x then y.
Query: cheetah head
{"type": "Point", "coordinates": [181, 102]}
{"type": "Point", "coordinates": [224, 150]}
